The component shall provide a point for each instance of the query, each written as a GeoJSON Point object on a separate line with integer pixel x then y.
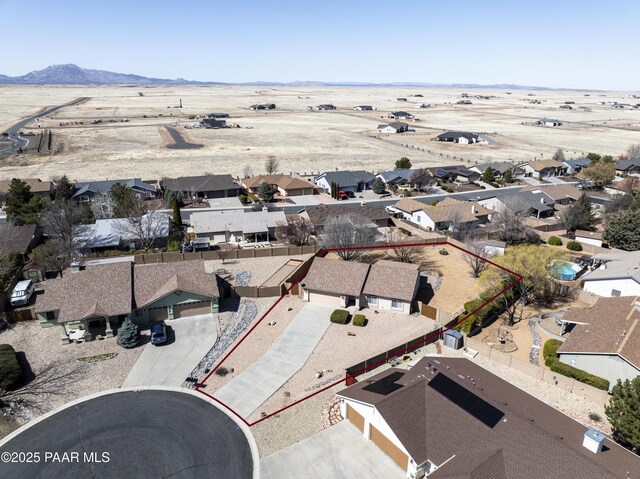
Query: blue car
{"type": "Point", "coordinates": [158, 333]}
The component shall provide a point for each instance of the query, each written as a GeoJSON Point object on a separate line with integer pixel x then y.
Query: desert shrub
{"type": "Point", "coordinates": [10, 369]}
{"type": "Point", "coordinates": [340, 316]}
{"type": "Point", "coordinates": [579, 375]}
{"type": "Point", "coordinates": [549, 360]}
{"type": "Point", "coordinates": [243, 199]}
{"type": "Point", "coordinates": [173, 246]}
{"type": "Point", "coordinates": [550, 348]}
{"type": "Point", "coordinates": [574, 246]}
{"type": "Point", "coordinates": [128, 334]}
{"type": "Point", "coordinates": [594, 416]}
{"type": "Point", "coordinates": [555, 241]}
{"type": "Point", "coordinates": [359, 320]}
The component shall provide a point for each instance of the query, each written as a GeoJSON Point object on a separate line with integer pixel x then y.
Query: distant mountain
{"type": "Point", "coordinates": [71, 74]}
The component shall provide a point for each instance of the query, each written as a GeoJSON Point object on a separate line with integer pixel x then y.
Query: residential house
{"type": "Point", "coordinates": [458, 173]}
{"type": "Point", "coordinates": [561, 194]}
{"type": "Point", "coordinates": [400, 115]}
{"type": "Point", "coordinates": [320, 215]}
{"type": "Point", "coordinates": [394, 127]}
{"type": "Point", "coordinates": [236, 226]}
{"type": "Point", "coordinates": [36, 185]}
{"type": "Point", "coordinates": [206, 186]}
{"type": "Point", "coordinates": [281, 185]}
{"type": "Point", "coordinates": [462, 137]}
{"type": "Point", "coordinates": [263, 106]}
{"type": "Point", "coordinates": [543, 168]}
{"type": "Point", "coordinates": [400, 177]}
{"type": "Point", "coordinates": [353, 181]}
{"type": "Point", "coordinates": [423, 105]}
{"type": "Point", "coordinates": [548, 122]}
{"type": "Point", "coordinates": [213, 123]}
{"type": "Point", "coordinates": [593, 238]}
{"type": "Point", "coordinates": [576, 166]}
{"type": "Point", "coordinates": [617, 274]}
{"type": "Point", "coordinates": [628, 167]}
{"type": "Point", "coordinates": [449, 418]}
{"type": "Point", "coordinates": [122, 233]}
{"type": "Point", "coordinates": [20, 239]}
{"type": "Point", "coordinates": [323, 107]}
{"type": "Point", "coordinates": [217, 115]}
{"type": "Point", "coordinates": [363, 108]}
{"type": "Point", "coordinates": [385, 285]}
{"type": "Point", "coordinates": [605, 340]}
{"type": "Point", "coordinates": [448, 214]}
{"type": "Point", "coordinates": [498, 168]}
{"type": "Point", "coordinates": [87, 190]}
{"type": "Point", "coordinates": [98, 298]}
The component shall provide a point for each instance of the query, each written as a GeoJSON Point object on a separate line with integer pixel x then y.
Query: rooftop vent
{"type": "Point", "coordinates": [593, 440]}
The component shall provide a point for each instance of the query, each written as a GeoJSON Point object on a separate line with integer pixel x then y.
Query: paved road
{"type": "Point", "coordinates": [169, 364]}
{"type": "Point", "coordinates": [253, 386]}
{"type": "Point", "coordinates": [146, 434]}
{"type": "Point", "coordinates": [14, 131]}
{"type": "Point", "coordinates": [339, 452]}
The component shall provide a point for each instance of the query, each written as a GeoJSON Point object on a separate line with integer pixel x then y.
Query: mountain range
{"type": "Point", "coordinates": [71, 74]}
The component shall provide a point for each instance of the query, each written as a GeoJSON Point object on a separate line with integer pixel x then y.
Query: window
{"type": "Point", "coordinates": [51, 315]}
{"type": "Point", "coordinates": [373, 300]}
{"type": "Point", "coordinates": [397, 304]}
{"type": "Point", "coordinates": [615, 292]}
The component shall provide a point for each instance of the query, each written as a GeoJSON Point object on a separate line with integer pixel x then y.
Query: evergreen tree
{"type": "Point", "coordinates": [177, 216]}
{"type": "Point", "coordinates": [378, 186]}
{"type": "Point", "coordinates": [128, 334]}
{"type": "Point", "coordinates": [265, 192]}
{"type": "Point", "coordinates": [622, 230]}
{"type": "Point", "coordinates": [403, 163]}
{"type": "Point", "coordinates": [578, 216]}
{"type": "Point", "coordinates": [64, 188]}
{"type": "Point", "coordinates": [22, 206]}
{"type": "Point", "coordinates": [488, 175]}
{"type": "Point", "coordinates": [508, 176]}
{"type": "Point", "coordinates": [125, 202]}
{"type": "Point", "coordinates": [623, 412]}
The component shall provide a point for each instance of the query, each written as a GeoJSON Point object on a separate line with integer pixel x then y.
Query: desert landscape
{"type": "Point", "coordinates": [132, 138]}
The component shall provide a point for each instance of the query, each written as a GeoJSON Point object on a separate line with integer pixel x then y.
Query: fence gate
{"type": "Point", "coordinates": [429, 311]}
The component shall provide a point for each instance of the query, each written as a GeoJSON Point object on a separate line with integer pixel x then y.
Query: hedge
{"type": "Point", "coordinates": [579, 375]}
{"type": "Point", "coordinates": [550, 348]}
{"type": "Point", "coordinates": [359, 320]}
{"type": "Point", "coordinates": [10, 370]}
{"type": "Point", "coordinates": [554, 241]}
{"type": "Point", "coordinates": [574, 246]}
{"type": "Point", "coordinates": [340, 316]}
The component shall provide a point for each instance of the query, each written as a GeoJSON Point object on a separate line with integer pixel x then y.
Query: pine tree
{"type": "Point", "coordinates": [622, 230]}
{"type": "Point", "coordinates": [488, 175]}
{"type": "Point", "coordinates": [128, 334]}
{"type": "Point", "coordinates": [64, 188]}
{"type": "Point", "coordinates": [378, 186]}
{"type": "Point", "coordinates": [265, 192]}
{"type": "Point", "coordinates": [623, 411]}
{"type": "Point", "coordinates": [508, 176]}
{"type": "Point", "coordinates": [22, 207]}
{"type": "Point", "coordinates": [177, 216]}
{"type": "Point", "coordinates": [403, 163]}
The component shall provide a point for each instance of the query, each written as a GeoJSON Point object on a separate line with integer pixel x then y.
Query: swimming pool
{"type": "Point", "coordinates": [565, 270]}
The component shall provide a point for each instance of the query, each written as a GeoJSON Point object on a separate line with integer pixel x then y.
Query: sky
{"type": "Point", "coordinates": [561, 44]}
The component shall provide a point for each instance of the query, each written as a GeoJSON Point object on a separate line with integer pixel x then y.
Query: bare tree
{"type": "Point", "coordinates": [421, 178]}
{"type": "Point", "coordinates": [509, 222]}
{"type": "Point", "coordinates": [294, 231]}
{"type": "Point", "coordinates": [247, 171]}
{"type": "Point", "coordinates": [398, 251]}
{"type": "Point", "coordinates": [271, 165]}
{"type": "Point", "coordinates": [103, 206]}
{"type": "Point", "coordinates": [348, 233]}
{"type": "Point", "coordinates": [145, 228]}
{"type": "Point", "coordinates": [476, 258]}
{"type": "Point", "coordinates": [54, 255]}
{"type": "Point", "coordinates": [458, 224]}
{"type": "Point", "coordinates": [633, 152]}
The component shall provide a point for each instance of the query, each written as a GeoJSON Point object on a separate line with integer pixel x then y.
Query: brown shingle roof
{"type": "Point", "coordinates": [18, 238]}
{"type": "Point", "coordinates": [103, 290]}
{"type": "Point", "coordinates": [286, 182]}
{"type": "Point", "coordinates": [589, 234]}
{"type": "Point", "coordinates": [321, 214]}
{"type": "Point", "coordinates": [445, 210]}
{"type": "Point", "coordinates": [336, 277]}
{"type": "Point", "coordinates": [557, 192]}
{"type": "Point", "coordinates": [391, 279]}
{"type": "Point", "coordinates": [36, 185]}
{"type": "Point", "coordinates": [154, 281]}
{"type": "Point", "coordinates": [539, 165]}
{"type": "Point", "coordinates": [409, 205]}
{"type": "Point", "coordinates": [613, 328]}
{"type": "Point", "coordinates": [533, 437]}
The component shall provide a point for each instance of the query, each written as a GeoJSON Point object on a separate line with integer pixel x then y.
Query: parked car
{"type": "Point", "coordinates": [158, 333]}
{"type": "Point", "coordinates": [22, 293]}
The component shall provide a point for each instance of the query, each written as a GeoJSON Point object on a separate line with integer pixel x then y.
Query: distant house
{"type": "Point", "coordinates": [566, 107]}
{"type": "Point", "coordinates": [206, 186]}
{"type": "Point", "coordinates": [386, 285]}
{"type": "Point", "coordinates": [576, 166]}
{"type": "Point", "coordinates": [498, 168]}
{"type": "Point", "coordinates": [457, 173]}
{"type": "Point", "coordinates": [236, 226]}
{"type": "Point", "coordinates": [548, 122]}
{"type": "Point", "coordinates": [213, 123]}
{"type": "Point", "coordinates": [263, 106]}
{"type": "Point", "coordinates": [399, 177]}
{"type": "Point", "coordinates": [606, 339]}
{"type": "Point", "coordinates": [562, 194]}
{"type": "Point", "coordinates": [87, 190]}
{"type": "Point", "coordinates": [401, 99]}
{"type": "Point", "coordinates": [423, 105]}
{"type": "Point", "coordinates": [37, 187]}
{"type": "Point", "coordinates": [628, 167]}
{"type": "Point", "coordinates": [463, 102]}
{"type": "Point", "coordinates": [394, 127]}
{"type": "Point", "coordinates": [217, 115]}
{"type": "Point", "coordinates": [320, 215]}
{"type": "Point", "coordinates": [283, 185]}
{"type": "Point", "coordinates": [617, 274]}
{"type": "Point", "coordinates": [99, 298]}
{"type": "Point", "coordinates": [589, 237]}
{"type": "Point", "coordinates": [346, 180]}
{"type": "Point", "coordinates": [538, 203]}
{"type": "Point", "coordinates": [323, 107]}
{"type": "Point", "coordinates": [363, 108]}
{"type": "Point", "coordinates": [448, 214]}
{"type": "Point", "coordinates": [543, 168]}
{"type": "Point", "coordinates": [20, 239]}
{"type": "Point", "coordinates": [461, 137]}
{"type": "Point", "coordinates": [400, 115]}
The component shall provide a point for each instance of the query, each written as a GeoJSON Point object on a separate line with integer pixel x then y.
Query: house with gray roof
{"type": "Point", "coordinates": [87, 190]}
{"type": "Point", "coordinates": [320, 215]}
{"type": "Point", "coordinates": [400, 115]}
{"type": "Point", "coordinates": [205, 186]}
{"type": "Point", "coordinates": [462, 137]}
{"type": "Point", "coordinates": [449, 418]}
{"type": "Point", "coordinates": [393, 127]}
{"type": "Point", "coordinates": [398, 176]}
{"type": "Point", "coordinates": [576, 166]}
{"type": "Point", "coordinates": [628, 167]}
{"type": "Point", "coordinates": [498, 168]}
{"type": "Point", "coordinates": [616, 273]}
{"type": "Point", "coordinates": [353, 181]}
{"type": "Point", "coordinates": [236, 226]}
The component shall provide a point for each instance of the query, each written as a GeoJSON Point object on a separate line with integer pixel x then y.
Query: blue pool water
{"type": "Point", "coordinates": [566, 271]}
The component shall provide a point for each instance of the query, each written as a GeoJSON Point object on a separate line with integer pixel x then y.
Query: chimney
{"type": "Point", "coordinates": [265, 209]}
{"type": "Point", "coordinates": [474, 210]}
{"type": "Point", "coordinates": [593, 440]}
{"type": "Point", "coordinates": [75, 266]}
{"type": "Point", "coordinates": [542, 200]}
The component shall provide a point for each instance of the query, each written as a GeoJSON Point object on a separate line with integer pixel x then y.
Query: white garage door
{"type": "Point", "coordinates": [325, 299]}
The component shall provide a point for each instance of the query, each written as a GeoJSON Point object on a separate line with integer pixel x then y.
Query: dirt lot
{"type": "Point", "coordinates": [304, 141]}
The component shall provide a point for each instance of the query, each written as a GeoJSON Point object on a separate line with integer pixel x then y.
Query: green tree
{"type": "Point", "coordinates": [23, 207]}
{"type": "Point", "coordinates": [508, 176]}
{"type": "Point", "coordinates": [64, 188]}
{"type": "Point", "coordinates": [623, 412]}
{"type": "Point", "coordinates": [403, 163]}
{"type": "Point", "coordinates": [558, 155]}
{"type": "Point", "coordinates": [125, 202]}
{"type": "Point", "coordinates": [128, 334]}
{"type": "Point", "coordinates": [600, 172]}
{"type": "Point", "coordinates": [265, 192]}
{"type": "Point", "coordinates": [378, 186]}
{"type": "Point", "coordinates": [177, 216]}
{"type": "Point", "coordinates": [579, 215]}
{"type": "Point", "coordinates": [594, 157]}
{"type": "Point", "coordinates": [622, 230]}
{"type": "Point", "coordinates": [488, 176]}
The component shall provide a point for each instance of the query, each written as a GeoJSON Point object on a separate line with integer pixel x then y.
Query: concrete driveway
{"type": "Point", "coordinates": [285, 357]}
{"type": "Point", "coordinates": [339, 452]}
{"type": "Point", "coordinates": [171, 363]}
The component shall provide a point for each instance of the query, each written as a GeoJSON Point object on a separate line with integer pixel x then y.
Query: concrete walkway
{"type": "Point", "coordinates": [169, 364]}
{"type": "Point", "coordinates": [338, 452]}
{"type": "Point", "coordinates": [285, 357]}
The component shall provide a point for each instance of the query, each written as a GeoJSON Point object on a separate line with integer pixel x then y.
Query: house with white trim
{"type": "Point", "coordinates": [617, 273]}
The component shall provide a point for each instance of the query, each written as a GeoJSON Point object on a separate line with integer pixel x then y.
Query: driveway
{"type": "Point", "coordinates": [285, 357]}
{"type": "Point", "coordinates": [339, 452]}
{"type": "Point", "coordinates": [171, 363]}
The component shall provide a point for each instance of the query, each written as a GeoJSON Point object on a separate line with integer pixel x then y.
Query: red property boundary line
{"type": "Point", "coordinates": [322, 253]}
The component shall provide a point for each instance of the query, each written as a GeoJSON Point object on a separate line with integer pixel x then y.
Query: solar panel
{"type": "Point", "coordinates": [466, 400]}
{"type": "Point", "coordinates": [385, 385]}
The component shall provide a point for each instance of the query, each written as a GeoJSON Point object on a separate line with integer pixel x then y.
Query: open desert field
{"type": "Point", "coordinates": [132, 140]}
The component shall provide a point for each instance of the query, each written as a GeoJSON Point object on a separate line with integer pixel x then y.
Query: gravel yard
{"type": "Point", "coordinates": [259, 269]}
